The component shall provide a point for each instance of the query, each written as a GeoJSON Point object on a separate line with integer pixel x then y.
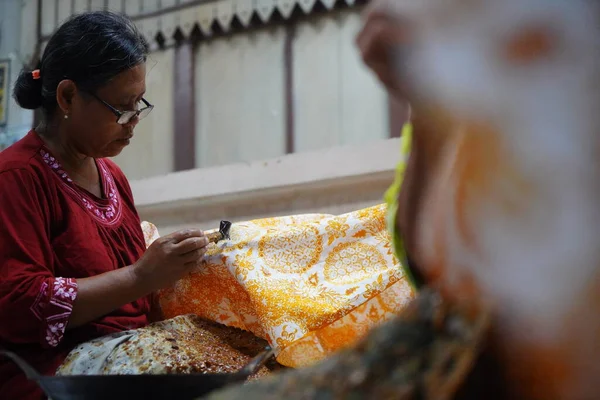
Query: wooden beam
{"type": "Point", "coordinates": [184, 103]}
{"type": "Point", "coordinates": [288, 73]}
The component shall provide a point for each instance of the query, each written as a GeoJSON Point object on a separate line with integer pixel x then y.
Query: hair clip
{"type": "Point", "coordinates": [35, 74]}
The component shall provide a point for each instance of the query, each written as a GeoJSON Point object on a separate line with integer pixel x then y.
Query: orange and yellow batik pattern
{"type": "Point", "coordinates": [309, 284]}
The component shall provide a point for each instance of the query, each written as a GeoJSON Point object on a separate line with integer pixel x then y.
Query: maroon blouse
{"type": "Point", "coordinates": [53, 232]}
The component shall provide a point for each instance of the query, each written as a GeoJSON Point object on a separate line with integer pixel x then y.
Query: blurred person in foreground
{"type": "Point", "coordinates": [499, 204]}
{"type": "Point", "coordinates": [73, 260]}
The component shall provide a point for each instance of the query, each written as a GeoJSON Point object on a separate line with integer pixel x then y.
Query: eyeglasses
{"type": "Point", "coordinates": [124, 117]}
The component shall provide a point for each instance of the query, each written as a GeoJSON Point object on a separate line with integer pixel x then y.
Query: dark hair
{"type": "Point", "coordinates": [89, 49]}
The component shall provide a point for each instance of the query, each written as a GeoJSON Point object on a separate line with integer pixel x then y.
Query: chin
{"type": "Point", "coordinates": [113, 151]}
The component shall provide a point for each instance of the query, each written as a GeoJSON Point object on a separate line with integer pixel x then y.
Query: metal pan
{"type": "Point", "coordinates": [128, 387]}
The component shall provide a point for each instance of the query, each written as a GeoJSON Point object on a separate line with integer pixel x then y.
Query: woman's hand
{"type": "Point", "coordinates": [381, 34]}
{"type": "Point", "coordinates": [164, 262]}
{"type": "Point", "coordinates": [169, 258]}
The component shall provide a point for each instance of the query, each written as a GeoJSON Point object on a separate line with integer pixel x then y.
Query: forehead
{"type": "Point", "coordinates": [131, 82]}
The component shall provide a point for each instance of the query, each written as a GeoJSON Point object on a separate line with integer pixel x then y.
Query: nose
{"type": "Point", "coordinates": [133, 122]}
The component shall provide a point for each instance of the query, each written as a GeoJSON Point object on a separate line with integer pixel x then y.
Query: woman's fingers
{"type": "Point", "coordinates": [182, 235]}
{"type": "Point", "coordinates": [193, 257]}
{"type": "Point", "coordinates": [191, 244]}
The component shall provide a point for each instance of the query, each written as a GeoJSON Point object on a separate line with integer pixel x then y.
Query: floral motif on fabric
{"type": "Point", "coordinates": [53, 306]}
{"type": "Point", "coordinates": [309, 284]}
{"type": "Point", "coordinates": [107, 212]}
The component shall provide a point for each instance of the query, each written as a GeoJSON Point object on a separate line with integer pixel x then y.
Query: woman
{"type": "Point", "coordinates": [73, 262]}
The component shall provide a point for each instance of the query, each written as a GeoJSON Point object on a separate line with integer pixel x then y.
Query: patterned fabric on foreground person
{"type": "Point", "coordinates": [309, 285]}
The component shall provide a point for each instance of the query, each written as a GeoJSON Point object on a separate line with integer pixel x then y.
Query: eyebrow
{"type": "Point", "coordinates": [126, 100]}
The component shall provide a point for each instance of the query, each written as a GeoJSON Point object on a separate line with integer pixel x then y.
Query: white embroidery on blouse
{"type": "Point", "coordinates": [107, 214]}
{"type": "Point", "coordinates": [53, 306]}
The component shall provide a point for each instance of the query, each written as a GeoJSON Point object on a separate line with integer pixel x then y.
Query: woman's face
{"type": "Point", "coordinates": [92, 127]}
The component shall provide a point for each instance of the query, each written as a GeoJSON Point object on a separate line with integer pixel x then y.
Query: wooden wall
{"type": "Point", "coordinates": [241, 107]}
{"type": "Point", "coordinates": [240, 102]}
{"type": "Point", "coordinates": [336, 100]}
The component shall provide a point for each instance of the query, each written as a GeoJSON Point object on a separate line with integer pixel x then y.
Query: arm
{"type": "Point", "coordinates": [121, 287]}
{"type": "Point", "coordinates": [37, 306]}
{"type": "Point", "coordinates": [164, 262]}
{"type": "Point", "coordinates": [101, 294]}
{"type": "Point", "coordinates": [27, 282]}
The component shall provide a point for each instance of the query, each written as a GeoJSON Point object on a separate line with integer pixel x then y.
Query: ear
{"type": "Point", "coordinates": [65, 92]}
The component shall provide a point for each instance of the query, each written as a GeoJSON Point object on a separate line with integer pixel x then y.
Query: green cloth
{"type": "Point", "coordinates": [391, 199]}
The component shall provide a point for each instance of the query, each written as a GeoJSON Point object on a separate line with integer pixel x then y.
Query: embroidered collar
{"type": "Point", "coordinates": [106, 211]}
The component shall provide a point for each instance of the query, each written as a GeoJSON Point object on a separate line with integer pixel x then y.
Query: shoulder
{"type": "Point", "coordinates": [22, 187]}
{"type": "Point", "coordinates": [22, 155]}
{"type": "Point", "coordinates": [22, 179]}
{"type": "Point", "coordinates": [22, 166]}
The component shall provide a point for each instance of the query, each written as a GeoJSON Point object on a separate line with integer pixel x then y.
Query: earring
{"type": "Point", "coordinates": [66, 116]}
